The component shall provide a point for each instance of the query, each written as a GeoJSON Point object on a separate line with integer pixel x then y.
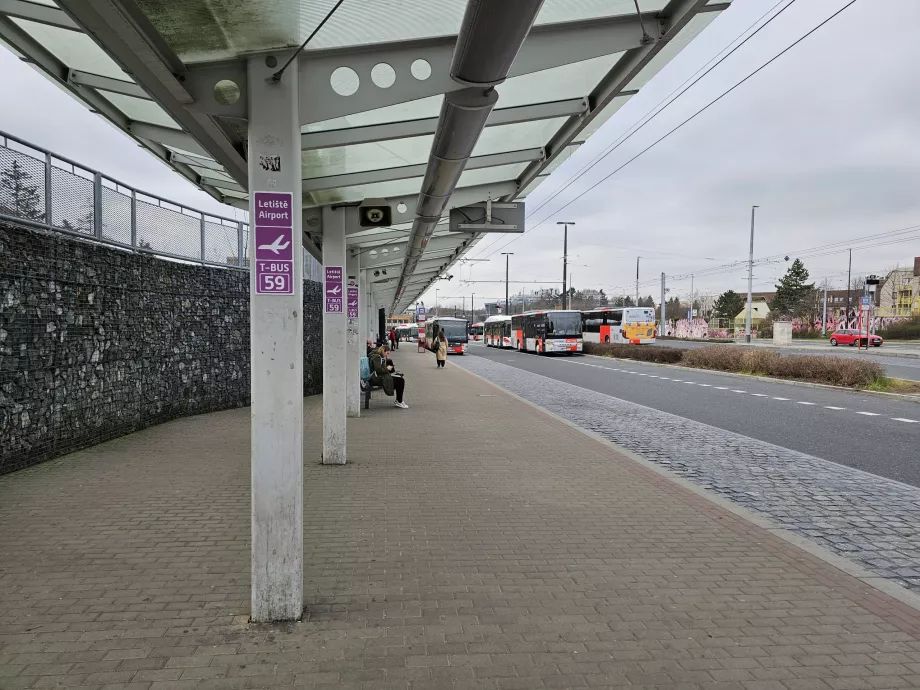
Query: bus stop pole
{"type": "Point", "coordinates": [276, 339]}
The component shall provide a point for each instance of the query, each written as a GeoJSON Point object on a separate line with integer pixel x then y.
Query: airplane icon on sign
{"type": "Point", "coordinates": [353, 304]}
{"type": "Point", "coordinates": [275, 246]}
{"type": "Point", "coordinates": [336, 290]}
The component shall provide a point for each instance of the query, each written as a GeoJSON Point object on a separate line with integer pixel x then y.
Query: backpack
{"type": "Point", "coordinates": [365, 368]}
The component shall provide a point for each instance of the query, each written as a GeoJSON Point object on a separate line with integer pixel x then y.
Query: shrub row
{"type": "Point", "coordinates": [643, 353]}
{"type": "Point", "coordinates": [835, 371]}
{"type": "Point", "coordinates": [904, 330]}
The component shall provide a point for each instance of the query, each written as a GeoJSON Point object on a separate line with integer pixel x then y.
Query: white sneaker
{"type": "Point", "coordinates": [402, 405]}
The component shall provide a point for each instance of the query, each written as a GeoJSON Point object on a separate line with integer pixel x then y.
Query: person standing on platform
{"type": "Point", "coordinates": [440, 349]}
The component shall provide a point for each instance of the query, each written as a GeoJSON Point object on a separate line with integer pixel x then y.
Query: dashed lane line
{"type": "Point", "coordinates": [735, 390]}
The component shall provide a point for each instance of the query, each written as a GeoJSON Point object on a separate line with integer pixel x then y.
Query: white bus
{"type": "Point", "coordinates": [634, 325]}
{"type": "Point", "coordinates": [546, 332]}
{"type": "Point", "coordinates": [497, 331]}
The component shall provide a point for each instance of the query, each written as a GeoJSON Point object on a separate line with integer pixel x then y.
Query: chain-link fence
{"type": "Point", "coordinates": [45, 190]}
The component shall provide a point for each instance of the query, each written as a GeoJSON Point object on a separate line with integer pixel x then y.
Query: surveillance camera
{"type": "Point", "coordinates": [786, 258]}
{"type": "Point", "coordinates": [450, 277]}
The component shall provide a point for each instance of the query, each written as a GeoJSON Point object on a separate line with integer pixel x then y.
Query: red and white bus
{"type": "Point", "coordinates": [455, 331]}
{"type": "Point", "coordinates": [497, 330]}
{"type": "Point", "coordinates": [546, 332]}
{"type": "Point", "coordinates": [634, 325]}
{"type": "Point", "coordinates": [476, 332]}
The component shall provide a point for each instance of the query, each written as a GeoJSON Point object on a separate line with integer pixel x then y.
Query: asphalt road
{"type": "Point", "coordinates": [873, 433]}
{"type": "Point", "coordinates": [897, 367]}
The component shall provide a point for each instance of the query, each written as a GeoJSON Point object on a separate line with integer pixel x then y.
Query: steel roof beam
{"type": "Point", "coordinates": [42, 14]}
{"type": "Point", "coordinates": [123, 31]}
{"type": "Point", "coordinates": [669, 22]}
{"type": "Point", "coordinates": [127, 88]}
{"type": "Point", "coordinates": [313, 184]}
{"type": "Point", "coordinates": [547, 46]}
{"type": "Point", "coordinates": [332, 138]}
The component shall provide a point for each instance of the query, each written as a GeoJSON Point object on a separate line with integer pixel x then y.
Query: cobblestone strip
{"type": "Point", "coordinates": [870, 520]}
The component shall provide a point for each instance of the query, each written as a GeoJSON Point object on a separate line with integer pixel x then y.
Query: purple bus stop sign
{"type": "Point", "coordinates": [274, 240]}
{"type": "Point", "coordinates": [352, 300]}
{"type": "Point", "coordinates": [334, 290]}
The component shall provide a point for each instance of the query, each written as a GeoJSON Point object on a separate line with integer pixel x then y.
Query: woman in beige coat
{"type": "Point", "coordinates": [440, 349]}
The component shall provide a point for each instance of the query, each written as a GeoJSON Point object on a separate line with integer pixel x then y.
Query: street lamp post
{"type": "Point", "coordinates": [565, 260]}
{"type": "Point", "coordinates": [637, 280]}
{"type": "Point", "coordinates": [507, 255]}
{"type": "Point", "coordinates": [747, 319]}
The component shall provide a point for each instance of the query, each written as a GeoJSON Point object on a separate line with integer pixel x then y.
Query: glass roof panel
{"type": "Point", "coordinates": [200, 30]}
{"type": "Point", "coordinates": [499, 173]}
{"type": "Point", "coordinates": [141, 110]}
{"type": "Point", "coordinates": [415, 150]}
{"type": "Point", "coordinates": [360, 157]}
{"type": "Point", "coordinates": [74, 49]}
{"type": "Point", "coordinates": [673, 47]}
{"type": "Point", "coordinates": [521, 135]}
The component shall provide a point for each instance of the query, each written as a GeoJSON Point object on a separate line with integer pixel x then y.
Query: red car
{"type": "Point", "coordinates": [851, 336]}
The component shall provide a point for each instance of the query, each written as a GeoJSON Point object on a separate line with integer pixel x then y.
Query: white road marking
{"type": "Point", "coordinates": [690, 382]}
{"type": "Point", "coordinates": [760, 395]}
{"type": "Point", "coordinates": [705, 385]}
{"type": "Point", "coordinates": [903, 419]}
{"type": "Point", "coordinates": [831, 407]}
{"type": "Point", "coordinates": [737, 391]}
{"type": "Point", "coordinates": [805, 403]}
{"type": "Point", "coordinates": [721, 388]}
{"type": "Point", "coordinates": [781, 398]}
{"type": "Point", "coordinates": [869, 414]}
{"type": "Point", "coordinates": [665, 378]}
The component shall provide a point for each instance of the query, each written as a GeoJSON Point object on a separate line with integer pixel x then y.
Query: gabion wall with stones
{"type": "Point", "coordinates": [96, 343]}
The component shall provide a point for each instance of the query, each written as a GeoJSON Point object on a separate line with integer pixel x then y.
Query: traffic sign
{"type": "Point", "coordinates": [274, 240]}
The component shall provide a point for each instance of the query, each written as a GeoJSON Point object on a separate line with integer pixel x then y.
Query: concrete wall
{"type": "Point", "coordinates": [96, 343]}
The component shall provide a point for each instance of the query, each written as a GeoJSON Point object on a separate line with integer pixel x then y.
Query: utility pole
{"type": "Point", "coordinates": [473, 307]}
{"type": "Point", "coordinates": [691, 301]}
{"type": "Point", "coordinates": [565, 259]}
{"type": "Point", "coordinates": [661, 329]}
{"type": "Point", "coordinates": [747, 318]}
{"type": "Point", "coordinates": [507, 306]}
{"type": "Point", "coordinates": [824, 314]}
{"type": "Point", "coordinates": [849, 285]}
{"type": "Point", "coordinates": [637, 280]}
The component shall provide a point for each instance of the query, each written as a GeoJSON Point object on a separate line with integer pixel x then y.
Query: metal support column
{"type": "Point", "coordinates": [334, 346]}
{"type": "Point", "coordinates": [353, 367]}
{"type": "Point", "coordinates": [48, 185]}
{"type": "Point", "coordinates": [97, 205]}
{"type": "Point", "coordinates": [362, 310]}
{"type": "Point", "coordinates": [663, 330]}
{"type": "Point", "coordinates": [276, 336]}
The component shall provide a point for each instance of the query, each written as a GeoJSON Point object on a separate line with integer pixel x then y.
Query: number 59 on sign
{"type": "Point", "coordinates": [277, 283]}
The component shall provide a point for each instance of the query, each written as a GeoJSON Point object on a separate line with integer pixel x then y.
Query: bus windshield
{"type": "Point", "coordinates": [454, 330]}
{"type": "Point", "coordinates": [563, 323]}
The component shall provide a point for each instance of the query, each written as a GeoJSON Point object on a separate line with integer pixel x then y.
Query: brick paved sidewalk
{"type": "Point", "coordinates": [471, 542]}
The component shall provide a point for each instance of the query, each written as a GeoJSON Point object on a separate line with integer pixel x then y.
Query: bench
{"type": "Point", "coordinates": [366, 385]}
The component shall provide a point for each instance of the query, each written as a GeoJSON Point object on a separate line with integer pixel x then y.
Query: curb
{"type": "Point", "coordinates": [888, 587]}
{"type": "Point", "coordinates": [789, 382]}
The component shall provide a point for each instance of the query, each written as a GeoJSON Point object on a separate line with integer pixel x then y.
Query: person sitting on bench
{"type": "Point", "coordinates": [383, 374]}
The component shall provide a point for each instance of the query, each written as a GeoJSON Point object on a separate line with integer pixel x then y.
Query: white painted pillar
{"type": "Point", "coordinates": [334, 346]}
{"type": "Point", "coordinates": [276, 341]}
{"type": "Point", "coordinates": [353, 338]}
{"type": "Point", "coordinates": [362, 312]}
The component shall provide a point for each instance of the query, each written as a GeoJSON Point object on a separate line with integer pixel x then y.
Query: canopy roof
{"type": "Point", "coordinates": [374, 76]}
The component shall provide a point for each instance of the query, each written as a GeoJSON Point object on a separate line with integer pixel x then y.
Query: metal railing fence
{"type": "Point", "coordinates": [44, 190]}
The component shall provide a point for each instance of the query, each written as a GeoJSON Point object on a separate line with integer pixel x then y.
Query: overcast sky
{"type": "Point", "coordinates": [824, 140]}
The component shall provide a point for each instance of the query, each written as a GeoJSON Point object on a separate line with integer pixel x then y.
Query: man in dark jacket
{"type": "Point", "coordinates": [384, 375]}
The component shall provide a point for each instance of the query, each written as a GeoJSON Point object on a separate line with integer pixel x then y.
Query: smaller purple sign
{"type": "Point", "coordinates": [274, 241]}
{"type": "Point", "coordinates": [334, 290]}
{"type": "Point", "coordinates": [352, 301]}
